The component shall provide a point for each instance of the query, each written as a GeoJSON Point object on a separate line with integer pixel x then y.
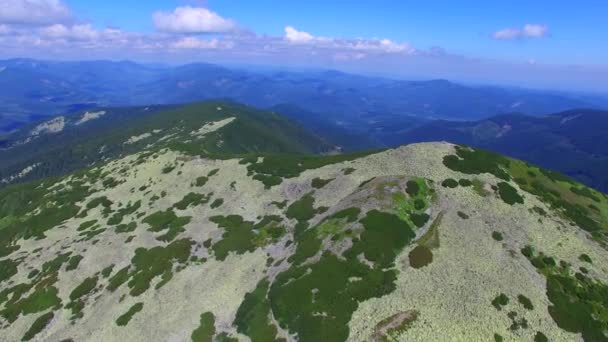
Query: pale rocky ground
{"type": "Point", "coordinates": [452, 294]}
{"type": "Point", "coordinates": [88, 116]}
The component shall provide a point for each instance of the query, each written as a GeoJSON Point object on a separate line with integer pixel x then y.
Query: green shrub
{"type": "Point", "coordinates": [318, 183]}
{"type": "Point", "coordinates": [500, 301]}
{"type": "Point", "coordinates": [585, 258]}
{"type": "Point", "coordinates": [167, 220]}
{"type": "Point", "coordinates": [252, 317]}
{"type": "Point", "coordinates": [127, 316]}
{"type": "Point", "coordinates": [540, 337]}
{"type": "Point", "coordinates": [217, 203]}
{"type": "Point", "coordinates": [302, 209]}
{"type": "Point", "coordinates": [449, 183]}
{"type": "Point", "coordinates": [526, 302]}
{"type": "Point", "coordinates": [412, 188]}
{"type": "Point", "coordinates": [206, 328]}
{"type": "Point", "coordinates": [73, 262]}
{"type": "Point", "coordinates": [497, 236]}
{"type": "Point", "coordinates": [509, 194]}
{"type": "Point", "coordinates": [465, 182]}
{"type": "Point", "coordinates": [39, 324]}
{"type": "Point", "coordinates": [476, 161]}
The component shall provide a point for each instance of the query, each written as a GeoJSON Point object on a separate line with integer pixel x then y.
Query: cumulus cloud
{"type": "Point", "coordinates": [33, 12]}
{"type": "Point", "coordinates": [343, 46]}
{"type": "Point", "coordinates": [528, 31]}
{"type": "Point", "coordinates": [192, 20]}
{"type": "Point", "coordinates": [295, 36]}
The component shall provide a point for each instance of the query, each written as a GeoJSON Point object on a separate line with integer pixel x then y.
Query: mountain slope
{"type": "Point", "coordinates": [422, 242]}
{"type": "Point", "coordinates": [46, 88]}
{"type": "Point", "coordinates": [572, 142]}
{"type": "Point", "coordinates": [67, 143]}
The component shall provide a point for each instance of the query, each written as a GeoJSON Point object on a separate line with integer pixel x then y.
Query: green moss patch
{"type": "Point", "coordinates": [384, 235]}
{"type": "Point", "coordinates": [318, 183]}
{"type": "Point", "coordinates": [449, 183]}
{"type": "Point", "coordinates": [317, 300]}
{"type": "Point", "coordinates": [158, 261]}
{"type": "Point", "coordinates": [83, 289]}
{"type": "Point", "coordinates": [192, 199]}
{"type": "Point", "coordinates": [39, 324]}
{"type": "Point", "coordinates": [201, 181]}
{"type": "Point", "coordinates": [125, 318]}
{"type": "Point", "coordinates": [500, 301]}
{"type": "Point", "coordinates": [117, 218]}
{"type": "Point", "coordinates": [217, 203]}
{"type": "Point", "coordinates": [8, 268]}
{"type": "Point", "coordinates": [420, 256]}
{"type": "Point", "coordinates": [206, 329]}
{"type": "Point", "coordinates": [497, 236]}
{"type": "Point", "coordinates": [302, 210]}
{"type": "Point", "coordinates": [126, 228]}
{"type": "Point", "coordinates": [167, 221]}
{"type": "Point", "coordinates": [73, 262]}
{"type": "Point", "coordinates": [477, 161]}
{"type": "Point", "coordinates": [525, 301]}
{"type": "Point", "coordinates": [509, 194]}
{"type": "Point", "coordinates": [242, 236]}
{"type": "Point", "coordinates": [253, 316]}
{"type": "Point", "coordinates": [578, 303]}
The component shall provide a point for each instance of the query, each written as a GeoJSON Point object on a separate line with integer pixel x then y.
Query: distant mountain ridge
{"type": "Point", "coordinates": [32, 89]}
{"type": "Point", "coordinates": [573, 142]}
{"type": "Point", "coordinates": [66, 143]}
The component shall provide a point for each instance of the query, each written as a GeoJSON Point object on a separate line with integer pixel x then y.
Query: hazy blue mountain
{"type": "Point", "coordinates": [572, 142]}
{"type": "Point", "coordinates": [31, 89]}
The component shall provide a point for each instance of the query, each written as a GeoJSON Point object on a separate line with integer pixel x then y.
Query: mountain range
{"type": "Point", "coordinates": [34, 89]}
{"type": "Point", "coordinates": [220, 222]}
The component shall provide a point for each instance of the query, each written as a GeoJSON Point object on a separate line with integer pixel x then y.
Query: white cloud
{"type": "Point", "coordinates": [535, 31]}
{"type": "Point", "coordinates": [528, 31]}
{"type": "Point", "coordinates": [295, 36]}
{"type": "Point", "coordinates": [192, 20]}
{"type": "Point", "coordinates": [33, 12]}
{"type": "Point", "coordinates": [75, 32]}
{"type": "Point", "coordinates": [196, 43]}
{"type": "Point", "coordinates": [382, 45]}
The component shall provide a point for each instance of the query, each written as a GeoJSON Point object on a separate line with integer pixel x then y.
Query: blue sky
{"type": "Point", "coordinates": [558, 44]}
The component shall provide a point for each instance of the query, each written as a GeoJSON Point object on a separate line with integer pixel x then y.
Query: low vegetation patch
{"type": "Point", "coordinates": [192, 199]}
{"type": "Point", "coordinates": [167, 221]}
{"type": "Point", "coordinates": [206, 329]}
{"type": "Point", "coordinates": [305, 299]}
{"type": "Point", "coordinates": [39, 324]}
{"type": "Point", "coordinates": [420, 256]}
{"type": "Point", "coordinates": [318, 183]}
{"type": "Point", "coordinates": [576, 299]}
{"type": "Point", "coordinates": [509, 194]}
{"type": "Point", "coordinates": [125, 318]}
{"type": "Point", "coordinates": [500, 301]}
{"type": "Point", "coordinates": [525, 301]}
{"type": "Point", "coordinates": [449, 183]}
{"type": "Point", "coordinates": [497, 236]}
{"type": "Point", "coordinates": [253, 316]}
{"type": "Point", "coordinates": [391, 327]}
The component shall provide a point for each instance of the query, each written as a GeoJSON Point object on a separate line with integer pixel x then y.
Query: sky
{"type": "Point", "coordinates": [540, 44]}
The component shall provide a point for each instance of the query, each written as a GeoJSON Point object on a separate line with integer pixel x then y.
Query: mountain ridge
{"type": "Point", "coordinates": [335, 249]}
